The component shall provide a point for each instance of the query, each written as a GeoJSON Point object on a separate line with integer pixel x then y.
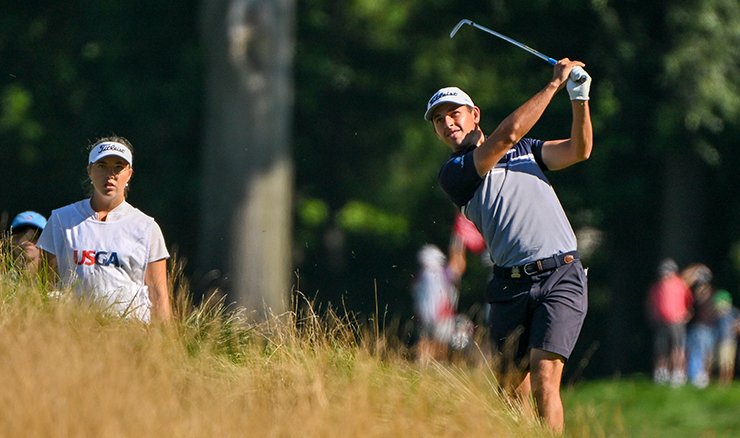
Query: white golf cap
{"type": "Point", "coordinates": [110, 148]}
{"type": "Point", "coordinates": [444, 95]}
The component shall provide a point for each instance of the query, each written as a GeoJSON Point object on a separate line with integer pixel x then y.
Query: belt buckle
{"type": "Point", "coordinates": [537, 268]}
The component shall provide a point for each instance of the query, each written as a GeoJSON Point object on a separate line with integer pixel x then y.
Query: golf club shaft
{"type": "Point", "coordinates": [578, 76]}
{"type": "Point", "coordinates": [505, 38]}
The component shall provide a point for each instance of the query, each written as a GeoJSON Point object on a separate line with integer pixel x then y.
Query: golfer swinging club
{"type": "Point", "coordinates": [538, 293]}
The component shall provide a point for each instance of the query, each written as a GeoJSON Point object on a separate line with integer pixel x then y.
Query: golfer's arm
{"type": "Point", "coordinates": [513, 129]}
{"type": "Point", "coordinates": [559, 154]}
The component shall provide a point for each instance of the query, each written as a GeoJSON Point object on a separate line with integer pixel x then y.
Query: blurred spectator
{"type": "Point", "coordinates": [669, 304]}
{"type": "Point", "coordinates": [700, 337]}
{"type": "Point", "coordinates": [728, 326]}
{"type": "Point", "coordinates": [435, 293]}
{"type": "Point", "coordinates": [24, 234]}
{"type": "Point", "coordinates": [465, 231]}
{"type": "Point", "coordinates": [435, 299]}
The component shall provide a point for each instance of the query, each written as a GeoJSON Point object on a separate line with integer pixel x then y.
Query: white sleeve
{"type": "Point", "coordinates": [157, 247]}
{"type": "Point", "coordinates": [46, 239]}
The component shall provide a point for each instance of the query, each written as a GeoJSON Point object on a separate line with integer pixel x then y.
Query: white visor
{"type": "Point", "coordinates": [111, 148]}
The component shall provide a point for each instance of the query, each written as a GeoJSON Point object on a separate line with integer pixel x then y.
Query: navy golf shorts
{"type": "Point", "coordinates": [545, 311]}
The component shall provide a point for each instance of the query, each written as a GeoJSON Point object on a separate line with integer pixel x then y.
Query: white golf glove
{"type": "Point", "coordinates": [578, 84]}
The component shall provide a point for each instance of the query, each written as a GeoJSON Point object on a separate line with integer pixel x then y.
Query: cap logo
{"type": "Point", "coordinates": [28, 218]}
{"type": "Point", "coordinates": [439, 95]}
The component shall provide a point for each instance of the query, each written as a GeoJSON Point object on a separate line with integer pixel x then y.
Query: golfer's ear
{"type": "Point", "coordinates": [476, 114]}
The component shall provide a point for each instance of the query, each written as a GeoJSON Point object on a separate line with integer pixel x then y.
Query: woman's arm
{"type": "Point", "coordinates": [156, 279]}
{"type": "Point", "coordinates": [49, 262]}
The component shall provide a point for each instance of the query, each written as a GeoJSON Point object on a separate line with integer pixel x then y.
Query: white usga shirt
{"type": "Point", "coordinates": [105, 260]}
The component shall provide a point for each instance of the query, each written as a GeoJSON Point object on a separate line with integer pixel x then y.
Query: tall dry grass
{"type": "Point", "coordinates": [70, 370]}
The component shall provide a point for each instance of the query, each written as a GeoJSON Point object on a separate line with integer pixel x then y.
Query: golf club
{"type": "Point", "coordinates": [577, 75]}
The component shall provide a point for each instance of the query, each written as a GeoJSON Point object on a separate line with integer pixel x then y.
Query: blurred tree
{"type": "Point", "coordinates": [248, 175]}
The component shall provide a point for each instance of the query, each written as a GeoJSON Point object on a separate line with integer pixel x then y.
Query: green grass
{"type": "Point", "coordinates": [635, 407]}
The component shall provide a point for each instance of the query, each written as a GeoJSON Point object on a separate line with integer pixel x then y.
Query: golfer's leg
{"type": "Point", "coordinates": [547, 371]}
{"type": "Point", "coordinates": [522, 393]}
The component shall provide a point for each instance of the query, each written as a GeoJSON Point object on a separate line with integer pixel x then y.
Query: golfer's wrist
{"type": "Point", "coordinates": [554, 86]}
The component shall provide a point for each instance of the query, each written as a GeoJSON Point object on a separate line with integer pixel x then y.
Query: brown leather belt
{"type": "Point", "coordinates": [537, 267]}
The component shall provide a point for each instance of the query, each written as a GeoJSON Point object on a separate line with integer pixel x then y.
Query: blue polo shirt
{"type": "Point", "coordinates": [513, 206]}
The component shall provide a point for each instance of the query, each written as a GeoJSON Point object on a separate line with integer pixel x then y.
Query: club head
{"type": "Point", "coordinates": [459, 25]}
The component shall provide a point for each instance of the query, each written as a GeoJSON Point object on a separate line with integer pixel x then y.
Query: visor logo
{"type": "Point", "coordinates": [110, 147]}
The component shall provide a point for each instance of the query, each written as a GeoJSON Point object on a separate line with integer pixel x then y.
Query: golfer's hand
{"type": "Point", "coordinates": [563, 70]}
{"type": "Point", "coordinates": [579, 84]}
{"type": "Point", "coordinates": [560, 72]}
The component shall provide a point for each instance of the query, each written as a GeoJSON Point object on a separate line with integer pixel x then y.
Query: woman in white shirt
{"type": "Point", "coordinates": [106, 249]}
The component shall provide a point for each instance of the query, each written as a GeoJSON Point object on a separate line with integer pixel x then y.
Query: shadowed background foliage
{"type": "Point", "coordinates": [660, 182]}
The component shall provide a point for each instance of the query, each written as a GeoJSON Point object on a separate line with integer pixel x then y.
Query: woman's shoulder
{"type": "Point", "coordinates": [141, 215]}
{"type": "Point", "coordinates": [70, 209]}
{"type": "Point", "coordinates": [141, 220]}
{"type": "Point", "coordinates": [127, 212]}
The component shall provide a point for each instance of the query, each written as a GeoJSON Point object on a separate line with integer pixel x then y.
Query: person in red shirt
{"type": "Point", "coordinates": [669, 306]}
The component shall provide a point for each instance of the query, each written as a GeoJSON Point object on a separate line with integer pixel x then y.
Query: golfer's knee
{"type": "Point", "coordinates": [547, 369]}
